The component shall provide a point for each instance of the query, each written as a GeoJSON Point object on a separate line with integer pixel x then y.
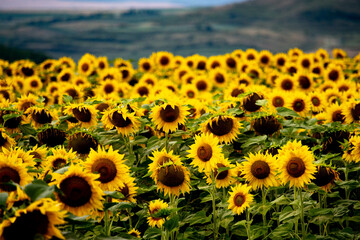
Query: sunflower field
{"type": "Point", "coordinates": [246, 145]}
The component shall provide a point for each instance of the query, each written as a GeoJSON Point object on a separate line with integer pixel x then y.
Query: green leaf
{"type": "Point", "coordinates": [254, 140]}
{"type": "Point", "coordinates": [11, 115]}
{"type": "Point", "coordinates": [286, 112]}
{"type": "Point", "coordinates": [198, 218]}
{"type": "Point", "coordinates": [152, 233]}
{"type": "Point", "coordinates": [121, 205]}
{"type": "Point", "coordinates": [3, 199]}
{"type": "Point", "coordinates": [39, 189]}
{"type": "Point", "coordinates": [172, 223]}
{"type": "Point", "coordinates": [115, 194]}
{"type": "Point", "coordinates": [67, 98]}
{"type": "Point", "coordinates": [261, 102]}
{"type": "Point", "coordinates": [282, 200]}
{"type": "Point", "coordinates": [27, 129]}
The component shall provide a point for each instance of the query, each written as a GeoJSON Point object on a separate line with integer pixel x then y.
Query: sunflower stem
{"type": "Point", "coordinates": [320, 206]}
{"type": "Point", "coordinates": [213, 194]}
{"type": "Point", "coordinates": [248, 224]}
{"type": "Point", "coordinates": [347, 190]}
{"type": "Point", "coordinates": [303, 232]}
{"type": "Point", "coordinates": [297, 220]}
{"type": "Point", "coordinates": [264, 193]}
{"type": "Point", "coordinates": [166, 141]}
{"type": "Point", "coordinates": [277, 207]}
{"type": "Point", "coordinates": [130, 222]}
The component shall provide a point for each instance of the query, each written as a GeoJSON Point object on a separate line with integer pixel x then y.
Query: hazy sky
{"type": "Point", "coordinates": [105, 4]}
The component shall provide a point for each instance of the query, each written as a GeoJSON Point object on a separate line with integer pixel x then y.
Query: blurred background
{"type": "Point", "coordinates": [40, 29]}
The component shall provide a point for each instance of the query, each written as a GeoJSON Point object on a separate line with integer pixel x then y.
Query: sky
{"type": "Point", "coordinates": [105, 4]}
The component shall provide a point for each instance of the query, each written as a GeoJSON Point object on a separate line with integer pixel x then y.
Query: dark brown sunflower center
{"type": "Point", "coordinates": [143, 91]}
{"type": "Point", "coordinates": [355, 112]}
{"type": "Point", "coordinates": [118, 120]}
{"type": "Point", "coordinates": [125, 191]}
{"type": "Point", "coordinates": [239, 199]}
{"type": "Point", "coordinates": [266, 125]}
{"type": "Point", "coordinates": [305, 63]}
{"type": "Point", "coordinates": [169, 114]}
{"type": "Point", "coordinates": [260, 169]}
{"type": "Point", "coordinates": [34, 84]}
{"type": "Point", "coordinates": [12, 122]}
{"type": "Point", "coordinates": [52, 137]}
{"type": "Point", "coordinates": [324, 176]}
{"type": "Point", "coordinates": [204, 152]}
{"type": "Point", "coordinates": [59, 163]}
{"type": "Point", "coordinates": [65, 77]}
{"type": "Point", "coordinates": [82, 114]}
{"type": "Point", "coordinates": [82, 143]}
{"type": "Point", "coordinates": [278, 101]}
{"type": "Point", "coordinates": [164, 60]}
{"type": "Point", "coordinates": [337, 116]}
{"type": "Point", "coordinates": [8, 174]}
{"type": "Point", "coordinates": [201, 65]}
{"type": "Point", "coordinates": [343, 88]}
{"type": "Point", "coordinates": [42, 117]}
{"type": "Point", "coordinates": [26, 105]}
{"type": "Point", "coordinates": [215, 64]}
{"type": "Point", "coordinates": [231, 63]}
{"type": "Point", "coordinates": [190, 94]}
{"type": "Point", "coordinates": [171, 176]}
{"type": "Point", "coordinates": [264, 59]}
{"type": "Point", "coordinates": [27, 71]}
{"type": "Point", "coordinates": [295, 167]}
{"type": "Point", "coordinates": [333, 75]}
{"type": "Point", "coordinates": [72, 92]}
{"type": "Point", "coordinates": [109, 76]}
{"type": "Point", "coordinates": [150, 81]}
{"type": "Point", "coordinates": [304, 82]}
{"type": "Point", "coordinates": [316, 70]}
{"type": "Point", "coordinates": [219, 78]}
{"type": "Point", "coordinates": [146, 66]}
{"type": "Point", "coordinates": [250, 56]}
{"type": "Point", "coordinates": [201, 85]}
{"type": "Point", "coordinates": [315, 101]}
{"type": "Point", "coordinates": [28, 226]}
{"type": "Point", "coordinates": [109, 88]}
{"type": "Point", "coordinates": [298, 105]}
{"type": "Point", "coordinates": [281, 62]}
{"type": "Point", "coordinates": [254, 73]}
{"type": "Point", "coordinates": [223, 174]}
{"type": "Point", "coordinates": [36, 155]}
{"type": "Point", "coordinates": [221, 127]}
{"type": "Point", "coordinates": [235, 92]}
{"type": "Point", "coordinates": [287, 84]}
{"type": "Point", "coordinates": [106, 168]}
{"type": "Point", "coordinates": [102, 106]}
{"type": "Point", "coordinates": [76, 191]}
{"type": "Point", "coordinates": [85, 67]}
{"type": "Point", "coordinates": [250, 102]}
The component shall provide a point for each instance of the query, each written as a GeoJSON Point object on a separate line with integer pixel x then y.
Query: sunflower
{"type": "Point", "coordinates": [33, 84]}
{"type": "Point", "coordinates": [126, 73]}
{"type": "Point", "coordinates": [66, 75]}
{"type": "Point", "coordinates": [299, 103]}
{"type": "Point", "coordinates": [334, 113]}
{"type": "Point", "coordinates": [339, 53]}
{"type": "Point", "coordinates": [141, 89]}
{"type": "Point", "coordinates": [205, 152]}
{"type": "Point", "coordinates": [17, 198]}
{"type": "Point", "coordinates": [233, 90]}
{"type": "Point", "coordinates": [119, 62]}
{"type": "Point", "coordinates": [189, 91]}
{"type": "Point", "coordinates": [200, 64]}
{"type": "Point", "coordinates": [80, 81]}
{"type": "Point", "coordinates": [240, 198]}
{"type": "Point", "coordinates": [85, 114]}
{"type": "Point", "coordinates": [110, 165]}
{"type": "Point", "coordinates": [145, 65]}
{"type": "Point", "coordinates": [197, 108]}
{"type": "Point", "coordinates": [48, 65]}
{"type": "Point", "coordinates": [109, 74]}
{"type": "Point", "coordinates": [149, 79]}
{"type": "Point", "coordinates": [345, 85]}
{"type": "Point", "coordinates": [244, 79]}
{"type": "Point", "coordinates": [12, 169]}
{"type": "Point", "coordinates": [286, 83]}
{"type": "Point", "coordinates": [318, 102]}
{"type": "Point", "coordinates": [28, 69]}
{"type": "Point", "coordinates": [295, 163]}
{"type": "Point", "coordinates": [168, 116]}
{"type": "Point", "coordinates": [278, 98]}
{"type": "Point", "coordinates": [82, 142]}
{"type": "Point", "coordinates": [304, 80]}
{"type": "Point", "coordinates": [351, 111]}
{"type": "Point", "coordinates": [60, 158]}
{"type": "Point", "coordinates": [249, 102]}
{"type": "Point", "coordinates": [67, 62]}
{"type": "Point", "coordinates": [305, 61]}
{"type": "Point", "coordinates": [352, 153]}
{"type": "Point", "coordinates": [51, 137]}
{"type": "Point", "coordinates": [266, 124]}
{"type": "Point", "coordinates": [325, 177]}
{"type": "Point", "coordinates": [79, 192]}
{"type": "Point", "coordinates": [179, 61]}
{"type": "Point", "coordinates": [333, 73]}
{"type": "Point", "coordinates": [295, 53]}
{"type": "Point", "coordinates": [6, 141]}
{"type": "Point", "coordinates": [265, 58]}
{"type": "Point", "coordinates": [190, 61]}
{"type": "Point", "coordinates": [317, 69]}
{"type": "Point", "coordinates": [128, 190]}
{"type": "Point", "coordinates": [322, 54]}
{"type": "Point", "coordinates": [17, 83]}
{"type": "Point", "coordinates": [280, 60]}
{"type": "Point", "coordinates": [254, 71]}
{"type": "Point", "coordinates": [219, 77]}
{"type": "Point", "coordinates": [164, 60]}
{"type": "Point", "coordinates": [333, 96]}
{"type": "Point", "coordinates": [225, 128]}
{"type": "Point", "coordinates": [230, 62]}
{"type": "Point", "coordinates": [85, 66]}
{"type": "Point", "coordinates": [39, 154]}
{"type": "Point", "coordinates": [39, 116]}
{"type": "Point", "coordinates": [251, 55]}
{"type": "Point", "coordinates": [260, 170]}
{"type": "Point", "coordinates": [291, 68]}
{"type": "Point", "coordinates": [11, 124]}
{"type": "Point", "coordinates": [224, 178]}
{"type": "Point", "coordinates": [160, 158]}
{"type": "Point", "coordinates": [24, 156]}
{"type": "Point", "coordinates": [38, 219]}
{"type": "Point", "coordinates": [135, 233]}
{"type": "Point", "coordinates": [107, 88]}
{"type": "Point", "coordinates": [102, 63]}
{"type": "Point", "coordinates": [154, 207]}
{"type": "Point", "coordinates": [26, 101]}
{"type": "Point", "coordinates": [124, 121]}
{"type": "Point", "coordinates": [202, 84]}
{"type": "Point", "coordinates": [214, 62]}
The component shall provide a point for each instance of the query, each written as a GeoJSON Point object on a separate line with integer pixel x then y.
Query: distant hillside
{"type": "Point", "coordinates": [13, 54]}
{"type": "Point", "coordinates": [276, 25]}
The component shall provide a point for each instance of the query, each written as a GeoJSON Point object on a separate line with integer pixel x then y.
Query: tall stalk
{"type": "Point", "coordinates": [303, 232]}
{"type": "Point", "coordinates": [213, 194]}
{"type": "Point", "coordinates": [248, 224]}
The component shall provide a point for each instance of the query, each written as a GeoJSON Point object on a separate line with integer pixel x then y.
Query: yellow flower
{"type": "Point", "coordinates": [240, 198]}
{"type": "Point", "coordinates": [225, 128]}
{"type": "Point", "coordinates": [154, 207]}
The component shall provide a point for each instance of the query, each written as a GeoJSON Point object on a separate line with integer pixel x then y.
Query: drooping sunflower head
{"type": "Point", "coordinates": [332, 140]}
{"type": "Point", "coordinates": [351, 111]}
{"type": "Point", "coordinates": [325, 177]}
{"type": "Point", "coordinates": [266, 124]}
{"type": "Point", "coordinates": [121, 119]}
{"type": "Point", "coordinates": [249, 102]}
{"type": "Point", "coordinates": [260, 170]}
{"type": "Point", "coordinates": [160, 158]}
{"type": "Point", "coordinates": [79, 193]}
{"type": "Point", "coordinates": [40, 116]}
{"type": "Point", "coordinates": [6, 141]}
{"type": "Point", "coordinates": [225, 128]}
{"type": "Point", "coordinates": [154, 207]}
{"type": "Point", "coordinates": [205, 152]}
{"type": "Point", "coordinates": [296, 165]}
{"type": "Point", "coordinates": [223, 174]}
{"type": "Point", "coordinates": [82, 142]}
{"type": "Point", "coordinates": [110, 165]}
{"type": "Point", "coordinates": [240, 198]}
{"type": "Point", "coordinates": [51, 137]}
{"type": "Point", "coordinates": [38, 219]}
{"type": "Point", "coordinates": [135, 233]}
{"type": "Point", "coordinates": [168, 116]}
{"type": "Point", "coordinates": [85, 114]}
{"type": "Point", "coordinates": [334, 113]}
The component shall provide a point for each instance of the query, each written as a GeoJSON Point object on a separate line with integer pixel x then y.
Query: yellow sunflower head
{"type": "Point", "coordinates": [121, 119]}
{"type": "Point", "coordinates": [84, 114]}
{"type": "Point", "coordinates": [135, 233]}
{"type": "Point", "coordinates": [299, 103]}
{"type": "Point", "coordinates": [154, 207]}
{"type": "Point", "coordinates": [240, 198]}
{"type": "Point", "coordinates": [80, 193]}
{"type": "Point", "coordinates": [145, 65]}
{"type": "Point", "coordinates": [26, 101]}
{"type": "Point", "coordinates": [259, 170]}
{"type": "Point", "coordinates": [110, 165]}
{"type": "Point", "coordinates": [351, 111]}
{"type": "Point", "coordinates": [225, 128]}
{"type": "Point", "coordinates": [60, 158]}
{"type": "Point", "coordinates": [128, 190]}
{"type": "Point", "coordinates": [223, 177]}
{"type": "Point", "coordinates": [334, 113]}
{"type": "Point", "coordinates": [40, 116]}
